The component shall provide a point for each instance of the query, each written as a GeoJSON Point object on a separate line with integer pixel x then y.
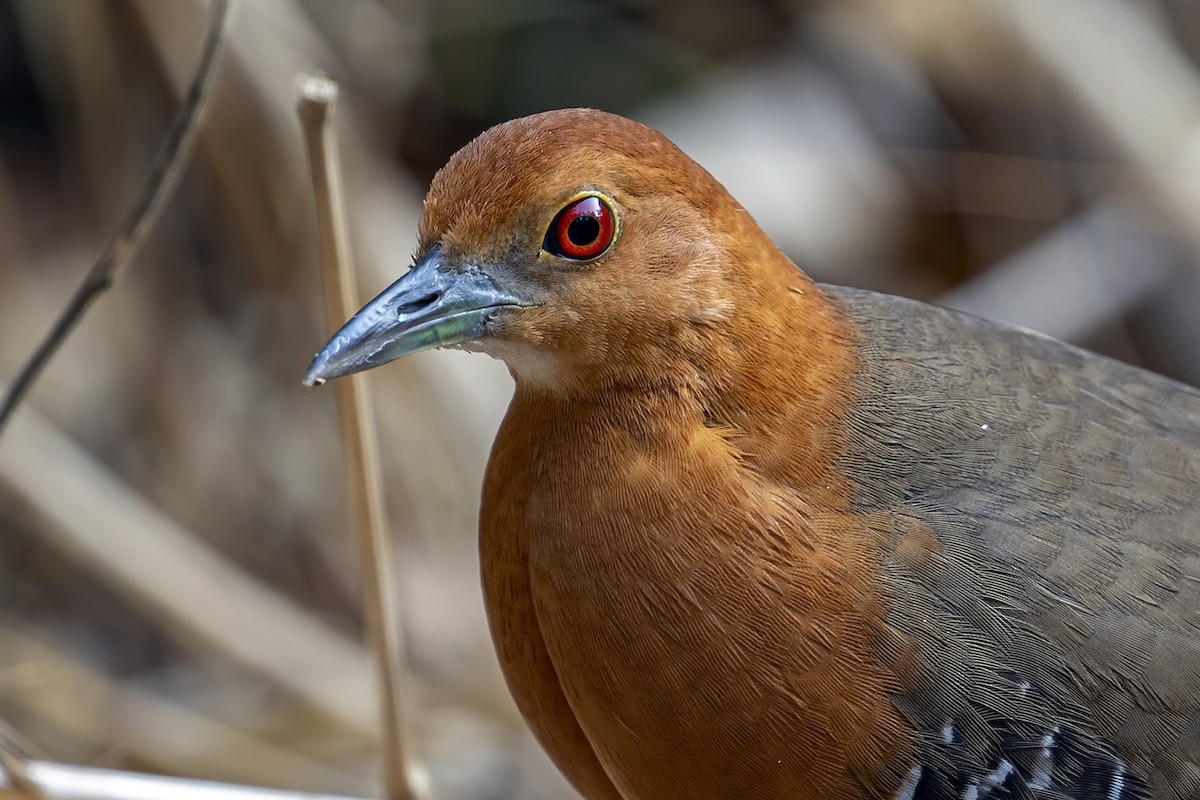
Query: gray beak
{"type": "Point", "coordinates": [429, 307]}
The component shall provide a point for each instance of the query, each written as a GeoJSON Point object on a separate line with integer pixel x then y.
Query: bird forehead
{"type": "Point", "coordinates": [515, 174]}
{"type": "Point", "coordinates": [484, 198]}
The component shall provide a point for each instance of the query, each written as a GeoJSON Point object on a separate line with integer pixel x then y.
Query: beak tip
{"type": "Point", "coordinates": [315, 375]}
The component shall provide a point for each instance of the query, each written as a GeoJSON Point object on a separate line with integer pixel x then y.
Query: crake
{"type": "Point", "coordinates": [746, 536]}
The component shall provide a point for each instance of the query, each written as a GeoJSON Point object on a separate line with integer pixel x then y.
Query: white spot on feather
{"type": "Point", "coordinates": [1043, 772]}
{"type": "Point", "coordinates": [992, 780]}
{"type": "Point", "coordinates": [1118, 784]}
{"type": "Point", "coordinates": [909, 789]}
{"type": "Point", "coordinates": [1000, 774]}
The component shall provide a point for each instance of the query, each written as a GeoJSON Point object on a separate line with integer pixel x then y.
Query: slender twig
{"type": "Point", "coordinates": [61, 782]}
{"type": "Point", "coordinates": [317, 99]}
{"type": "Point", "coordinates": [165, 174]}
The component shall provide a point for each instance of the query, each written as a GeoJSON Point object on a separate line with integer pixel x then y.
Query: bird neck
{"type": "Point", "coordinates": [784, 363]}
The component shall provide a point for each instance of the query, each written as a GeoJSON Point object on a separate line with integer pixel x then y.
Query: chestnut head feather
{"type": "Point", "coordinates": [585, 250]}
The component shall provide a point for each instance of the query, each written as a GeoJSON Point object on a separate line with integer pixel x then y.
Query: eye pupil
{"type": "Point", "coordinates": [583, 230]}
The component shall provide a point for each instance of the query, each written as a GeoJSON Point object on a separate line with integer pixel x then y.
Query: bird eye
{"type": "Point", "coordinates": [581, 231]}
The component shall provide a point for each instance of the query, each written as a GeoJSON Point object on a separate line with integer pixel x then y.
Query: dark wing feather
{"type": "Point", "coordinates": [1041, 513]}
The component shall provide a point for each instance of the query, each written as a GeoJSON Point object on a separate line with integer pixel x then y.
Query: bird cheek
{"type": "Point", "coordinates": [543, 333]}
{"type": "Point", "coordinates": [531, 325]}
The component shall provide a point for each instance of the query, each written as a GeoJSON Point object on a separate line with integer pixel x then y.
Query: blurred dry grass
{"type": "Point", "coordinates": [177, 592]}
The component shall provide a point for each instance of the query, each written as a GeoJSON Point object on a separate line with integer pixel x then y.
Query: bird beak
{"type": "Point", "coordinates": [429, 307]}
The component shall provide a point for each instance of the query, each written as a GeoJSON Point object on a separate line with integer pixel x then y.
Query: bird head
{"type": "Point", "coordinates": [583, 249]}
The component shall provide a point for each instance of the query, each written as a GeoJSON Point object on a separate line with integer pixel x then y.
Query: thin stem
{"type": "Point", "coordinates": [61, 782]}
{"type": "Point", "coordinates": [318, 98]}
{"type": "Point", "coordinates": [165, 174]}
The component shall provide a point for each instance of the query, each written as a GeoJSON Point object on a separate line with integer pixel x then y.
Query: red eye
{"type": "Point", "coordinates": [582, 230]}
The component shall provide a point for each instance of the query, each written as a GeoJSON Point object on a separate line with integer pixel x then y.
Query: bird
{"type": "Point", "coordinates": [744, 535]}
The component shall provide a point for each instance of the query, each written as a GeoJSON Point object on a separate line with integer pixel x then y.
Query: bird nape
{"type": "Point", "coordinates": [746, 536]}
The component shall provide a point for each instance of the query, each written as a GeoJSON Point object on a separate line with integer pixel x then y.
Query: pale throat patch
{"type": "Point", "coordinates": [536, 368]}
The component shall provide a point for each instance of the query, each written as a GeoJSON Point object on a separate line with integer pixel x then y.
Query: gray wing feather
{"type": "Point", "coordinates": [1060, 488]}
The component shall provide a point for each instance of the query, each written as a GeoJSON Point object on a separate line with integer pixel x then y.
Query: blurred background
{"type": "Point", "coordinates": [178, 589]}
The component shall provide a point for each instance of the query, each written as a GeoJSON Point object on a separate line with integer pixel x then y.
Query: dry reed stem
{"type": "Point", "coordinates": [1085, 258]}
{"type": "Point", "coordinates": [92, 707]}
{"type": "Point", "coordinates": [11, 238]}
{"type": "Point", "coordinates": [164, 177]}
{"type": "Point", "coordinates": [1147, 101]}
{"type": "Point", "coordinates": [76, 43]}
{"type": "Point", "coordinates": [317, 101]}
{"type": "Point", "coordinates": [62, 782]}
{"type": "Point", "coordinates": [17, 777]}
{"type": "Point", "coordinates": [1146, 104]}
{"type": "Point", "coordinates": [194, 593]}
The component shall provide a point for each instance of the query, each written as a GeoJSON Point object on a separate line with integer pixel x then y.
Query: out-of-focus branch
{"type": "Point", "coordinates": [1147, 101]}
{"type": "Point", "coordinates": [93, 707]}
{"type": "Point", "coordinates": [10, 236]}
{"type": "Point", "coordinates": [1087, 258]}
{"type": "Point", "coordinates": [317, 100]}
{"type": "Point", "coordinates": [164, 177]}
{"type": "Point", "coordinates": [190, 589]}
{"type": "Point", "coordinates": [62, 782]}
{"type": "Point", "coordinates": [16, 776]}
